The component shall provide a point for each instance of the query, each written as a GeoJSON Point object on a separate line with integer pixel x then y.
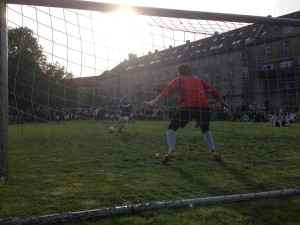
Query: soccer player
{"type": "Point", "coordinates": [125, 108]}
{"type": "Point", "coordinates": [193, 106]}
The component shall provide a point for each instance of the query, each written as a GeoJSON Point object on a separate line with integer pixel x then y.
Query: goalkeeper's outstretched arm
{"type": "Point", "coordinates": [153, 102]}
{"type": "Point", "coordinates": [224, 103]}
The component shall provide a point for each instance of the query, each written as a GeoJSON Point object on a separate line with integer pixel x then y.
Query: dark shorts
{"type": "Point", "coordinates": [185, 115]}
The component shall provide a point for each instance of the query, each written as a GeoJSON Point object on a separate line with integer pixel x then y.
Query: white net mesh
{"type": "Point", "coordinates": [69, 72]}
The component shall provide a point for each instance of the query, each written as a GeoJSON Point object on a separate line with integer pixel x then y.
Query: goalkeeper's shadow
{"type": "Point", "coordinates": [205, 186]}
{"type": "Point", "coordinates": [242, 177]}
{"type": "Point", "coordinates": [239, 176]}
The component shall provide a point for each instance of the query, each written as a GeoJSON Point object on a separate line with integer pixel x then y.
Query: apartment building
{"type": "Point", "coordinates": [258, 63]}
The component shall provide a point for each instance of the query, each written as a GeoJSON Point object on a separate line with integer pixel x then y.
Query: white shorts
{"type": "Point", "coordinates": [124, 118]}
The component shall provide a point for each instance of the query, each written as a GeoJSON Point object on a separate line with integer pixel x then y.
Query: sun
{"type": "Point", "coordinates": [123, 11]}
{"type": "Point", "coordinates": [126, 29]}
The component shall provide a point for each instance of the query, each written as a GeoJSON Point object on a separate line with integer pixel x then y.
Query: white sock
{"type": "Point", "coordinates": [209, 140]}
{"type": "Point", "coordinates": [171, 137]}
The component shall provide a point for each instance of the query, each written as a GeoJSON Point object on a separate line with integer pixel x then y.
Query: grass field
{"type": "Point", "coordinates": [79, 165]}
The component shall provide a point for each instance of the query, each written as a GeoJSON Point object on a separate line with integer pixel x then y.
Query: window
{"type": "Point", "coordinates": [230, 75]}
{"type": "Point", "coordinates": [245, 72]}
{"type": "Point", "coordinates": [269, 66]}
{"type": "Point", "coordinates": [268, 49]}
{"type": "Point", "coordinates": [217, 77]}
{"type": "Point", "coordinates": [286, 64]}
{"type": "Point", "coordinates": [245, 89]}
{"type": "Point", "coordinates": [217, 62]}
{"type": "Point", "coordinates": [236, 42]}
{"type": "Point", "coordinates": [178, 57]}
{"type": "Point", "coordinates": [206, 76]}
{"type": "Point", "coordinates": [285, 46]}
{"type": "Point", "coordinates": [230, 57]}
{"type": "Point", "coordinates": [244, 55]}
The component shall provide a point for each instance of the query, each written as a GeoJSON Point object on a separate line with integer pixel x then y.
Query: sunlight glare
{"type": "Point", "coordinates": [126, 29]}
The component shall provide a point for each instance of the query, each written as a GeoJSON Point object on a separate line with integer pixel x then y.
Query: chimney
{"type": "Point", "coordinates": [132, 57]}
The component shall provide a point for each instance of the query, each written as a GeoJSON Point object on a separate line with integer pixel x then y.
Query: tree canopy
{"type": "Point", "coordinates": [32, 80]}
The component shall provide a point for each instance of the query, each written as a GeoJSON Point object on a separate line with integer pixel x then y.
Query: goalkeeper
{"type": "Point", "coordinates": [193, 105]}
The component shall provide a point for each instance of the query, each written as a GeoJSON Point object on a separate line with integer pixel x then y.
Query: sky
{"type": "Point", "coordinates": [274, 8]}
{"type": "Point", "coordinates": [87, 47]}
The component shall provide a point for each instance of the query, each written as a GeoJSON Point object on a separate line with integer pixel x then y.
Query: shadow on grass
{"type": "Point", "coordinates": [243, 178]}
{"type": "Point", "coordinates": [208, 188]}
{"type": "Point", "coordinates": [243, 182]}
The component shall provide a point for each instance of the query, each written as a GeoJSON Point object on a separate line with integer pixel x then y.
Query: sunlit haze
{"type": "Point", "coordinates": [88, 43]}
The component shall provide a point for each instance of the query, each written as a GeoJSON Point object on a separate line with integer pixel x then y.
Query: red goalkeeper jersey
{"type": "Point", "coordinates": [191, 90]}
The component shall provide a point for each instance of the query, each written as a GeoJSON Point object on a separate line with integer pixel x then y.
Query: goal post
{"type": "Point", "coordinates": [160, 12]}
{"type": "Point", "coordinates": [4, 96]}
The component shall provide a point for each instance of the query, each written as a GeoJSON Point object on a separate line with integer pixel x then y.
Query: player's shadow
{"type": "Point", "coordinates": [205, 186]}
{"type": "Point", "coordinates": [126, 136]}
{"type": "Point", "coordinates": [238, 174]}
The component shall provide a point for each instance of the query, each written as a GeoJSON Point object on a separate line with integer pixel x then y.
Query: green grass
{"type": "Point", "coordinates": [75, 166]}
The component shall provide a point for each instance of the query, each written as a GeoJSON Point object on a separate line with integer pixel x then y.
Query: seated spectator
{"type": "Point", "coordinates": [277, 120]}
{"type": "Point", "coordinates": [292, 117]}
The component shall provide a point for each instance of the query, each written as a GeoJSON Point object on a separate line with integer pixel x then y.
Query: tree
{"type": "Point", "coordinates": [25, 57]}
{"type": "Point", "coordinates": [32, 80]}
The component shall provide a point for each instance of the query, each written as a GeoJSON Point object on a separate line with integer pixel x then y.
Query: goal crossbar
{"type": "Point", "coordinates": [160, 12]}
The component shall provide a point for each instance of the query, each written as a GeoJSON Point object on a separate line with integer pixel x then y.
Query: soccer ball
{"type": "Point", "coordinates": [111, 129]}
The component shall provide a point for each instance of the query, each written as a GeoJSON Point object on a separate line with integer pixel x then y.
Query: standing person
{"type": "Point", "coordinates": [193, 106]}
{"type": "Point", "coordinates": [57, 115]}
{"type": "Point", "coordinates": [126, 109]}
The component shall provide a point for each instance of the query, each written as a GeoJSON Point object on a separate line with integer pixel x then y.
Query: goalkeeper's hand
{"type": "Point", "coordinates": [152, 102]}
{"type": "Point", "coordinates": [224, 103]}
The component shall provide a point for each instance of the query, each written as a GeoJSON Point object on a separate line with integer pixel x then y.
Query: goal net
{"type": "Point", "coordinates": [70, 65]}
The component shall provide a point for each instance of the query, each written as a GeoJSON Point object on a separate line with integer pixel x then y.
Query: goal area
{"type": "Point", "coordinates": [66, 68]}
